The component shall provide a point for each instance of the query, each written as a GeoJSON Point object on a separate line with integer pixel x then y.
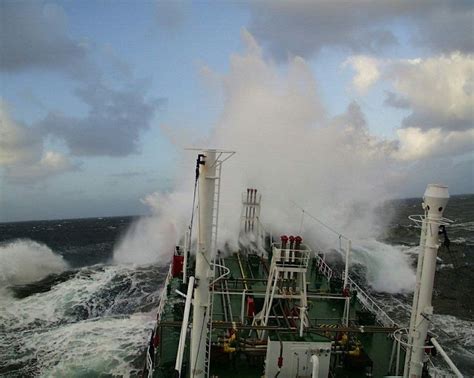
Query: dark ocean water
{"type": "Point", "coordinates": [67, 309]}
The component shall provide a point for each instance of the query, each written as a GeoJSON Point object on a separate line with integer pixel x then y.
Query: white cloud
{"type": "Point", "coordinates": [18, 143]}
{"type": "Point", "coordinates": [417, 144]}
{"type": "Point", "coordinates": [438, 92]}
{"type": "Point", "coordinates": [436, 87]}
{"type": "Point", "coordinates": [22, 153]}
{"type": "Point", "coordinates": [367, 71]}
{"type": "Point", "coordinates": [50, 164]}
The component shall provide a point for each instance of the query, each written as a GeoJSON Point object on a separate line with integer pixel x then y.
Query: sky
{"type": "Point", "coordinates": [99, 99]}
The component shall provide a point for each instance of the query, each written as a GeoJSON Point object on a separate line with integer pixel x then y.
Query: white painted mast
{"type": "Point", "coordinates": [434, 202]}
{"type": "Point", "coordinates": [208, 206]}
{"type": "Point", "coordinates": [203, 273]}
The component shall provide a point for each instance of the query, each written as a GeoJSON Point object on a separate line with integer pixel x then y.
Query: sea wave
{"type": "Point", "coordinates": [95, 321]}
{"type": "Point", "coordinates": [388, 267]}
{"type": "Point", "coordinates": [24, 260]}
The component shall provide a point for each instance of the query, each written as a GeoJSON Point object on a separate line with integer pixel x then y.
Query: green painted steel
{"type": "Point", "coordinates": [248, 358]}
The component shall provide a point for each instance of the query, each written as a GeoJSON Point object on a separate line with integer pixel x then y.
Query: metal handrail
{"type": "Point", "coordinates": [149, 364]}
{"type": "Point", "coordinates": [291, 258]}
{"type": "Point", "coordinates": [419, 218]}
{"type": "Point", "coordinates": [370, 304]}
{"type": "Point", "coordinates": [364, 298]}
{"type": "Point", "coordinates": [163, 296]}
{"type": "Point", "coordinates": [223, 275]}
{"type": "Point", "coordinates": [401, 332]}
{"type": "Point", "coordinates": [324, 268]}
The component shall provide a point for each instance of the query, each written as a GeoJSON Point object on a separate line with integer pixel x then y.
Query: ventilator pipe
{"type": "Point", "coordinates": [284, 240]}
{"type": "Point", "coordinates": [292, 240]}
{"type": "Point", "coordinates": [434, 202]}
{"type": "Point", "coordinates": [247, 211]}
{"type": "Point", "coordinates": [315, 363]}
{"type": "Point", "coordinates": [254, 208]}
{"type": "Point", "coordinates": [290, 256]}
{"type": "Point", "coordinates": [298, 241]}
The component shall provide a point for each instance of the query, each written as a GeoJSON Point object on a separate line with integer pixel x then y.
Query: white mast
{"type": "Point", "coordinates": [434, 202]}
{"type": "Point", "coordinates": [203, 273]}
{"type": "Point", "coordinates": [208, 188]}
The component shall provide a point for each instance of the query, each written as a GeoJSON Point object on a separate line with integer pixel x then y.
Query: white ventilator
{"type": "Point", "coordinates": [434, 202]}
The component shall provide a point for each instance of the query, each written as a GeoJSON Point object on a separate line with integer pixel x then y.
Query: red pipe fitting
{"type": "Point", "coordinates": [284, 240]}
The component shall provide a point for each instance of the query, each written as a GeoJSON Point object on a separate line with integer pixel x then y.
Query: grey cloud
{"type": "Point", "coordinates": [305, 27]}
{"type": "Point", "coordinates": [34, 35]}
{"type": "Point", "coordinates": [128, 174]}
{"type": "Point", "coordinates": [396, 101]}
{"type": "Point", "coordinates": [170, 15]}
{"type": "Point", "coordinates": [459, 176]}
{"type": "Point", "coordinates": [446, 26]}
{"type": "Point", "coordinates": [427, 120]}
{"type": "Point", "coordinates": [352, 116]}
{"type": "Point", "coordinates": [468, 86]}
{"type": "Point", "coordinates": [112, 127]}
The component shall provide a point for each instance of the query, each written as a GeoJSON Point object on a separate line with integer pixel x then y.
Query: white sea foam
{"type": "Point", "coordinates": [468, 226]}
{"type": "Point", "coordinates": [74, 330]}
{"type": "Point", "coordinates": [90, 348]}
{"type": "Point", "coordinates": [89, 293]}
{"type": "Point", "coordinates": [56, 304]}
{"type": "Point", "coordinates": [452, 328]}
{"type": "Point", "coordinates": [23, 261]}
{"type": "Point", "coordinates": [106, 345]}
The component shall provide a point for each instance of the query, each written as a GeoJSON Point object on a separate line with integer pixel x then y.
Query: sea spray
{"type": "Point", "coordinates": [291, 150]}
{"type": "Point", "coordinates": [388, 268]}
{"type": "Point", "coordinates": [152, 239]}
{"type": "Point", "coordinates": [23, 261]}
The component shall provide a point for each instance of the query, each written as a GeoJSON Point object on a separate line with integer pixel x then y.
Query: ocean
{"type": "Point", "coordinates": [66, 309]}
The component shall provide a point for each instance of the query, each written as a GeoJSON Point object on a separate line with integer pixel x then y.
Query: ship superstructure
{"type": "Point", "coordinates": [276, 308]}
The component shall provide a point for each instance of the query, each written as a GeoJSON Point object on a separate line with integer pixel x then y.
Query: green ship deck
{"type": "Point", "coordinates": [361, 345]}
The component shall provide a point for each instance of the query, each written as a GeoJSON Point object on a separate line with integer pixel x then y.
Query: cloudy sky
{"type": "Point", "coordinates": [98, 99]}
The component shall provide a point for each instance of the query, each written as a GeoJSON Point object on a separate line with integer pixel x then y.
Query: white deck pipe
{"type": "Point", "coordinates": [203, 272]}
{"type": "Point", "coordinates": [446, 358]}
{"type": "Point", "coordinates": [186, 249]}
{"type": "Point", "coordinates": [434, 202]}
{"type": "Point", "coordinates": [348, 257]}
{"type": "Point", "coordinates": [242, 309]}
{"type": "Point", "coordinates": [315, 362]}
{"type": "Point", "coordinates": [184, 327]}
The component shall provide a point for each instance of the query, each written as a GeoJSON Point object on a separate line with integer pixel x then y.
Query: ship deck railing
{"type": "Point", "coordinates": [291, 259]}
{"type": "Point", "coordinates": [163, 295]}
{"type": "Point", "coordinates": [370, 304]}
{"type": "Point", "coordinates": [365, 299]}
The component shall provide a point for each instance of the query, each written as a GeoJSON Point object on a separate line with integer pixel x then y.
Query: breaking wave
{"type": "Point", "coordinates": [90, 321]}
{"type": "Point", "coordinates": [23, 261]}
